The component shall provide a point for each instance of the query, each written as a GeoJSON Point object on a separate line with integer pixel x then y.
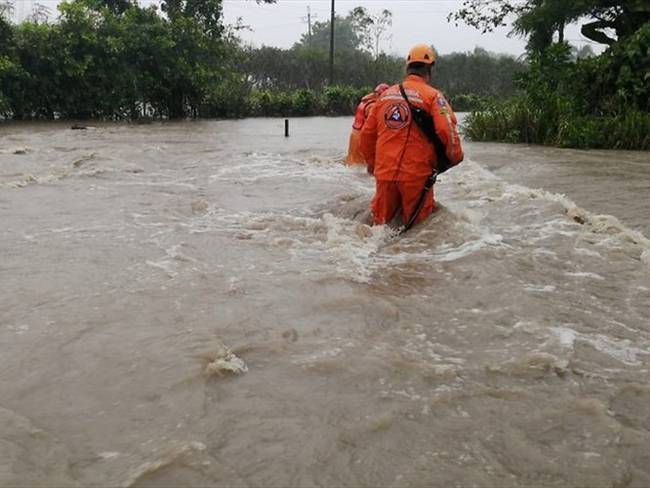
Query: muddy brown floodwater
{"type": "Point", "coordinates": [200, 304]}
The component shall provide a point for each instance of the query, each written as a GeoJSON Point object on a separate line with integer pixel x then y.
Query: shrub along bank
{"type": "Point", "coordinates": [598, 102]}
{"type": "Point", "coordinates": [331, 100]}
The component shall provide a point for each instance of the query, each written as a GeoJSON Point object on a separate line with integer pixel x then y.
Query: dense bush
{"type": "Point", "coordinates": [599, 102]}
{"type": "Point", "coordinates": [555, 123]}
{"type": "Point", "coordinates": [619, 78]}
{"type": "Point", "coordinates": [342, 100]}
{"type": "Point", "coordinates": [517, 121]}
{"type": "Point", "coordinates": [469, 102]}
{"type": "Point", "coordinates": [334, 100]}
{"type": "Point", "coordinates": [630, 130]}
{"type": "Point", "coordinates": [99, 62]}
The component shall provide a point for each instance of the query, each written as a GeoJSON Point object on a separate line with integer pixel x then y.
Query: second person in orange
{"type": "Point", "coordinates": [398, 153]}
{"type": "Point", "coordinates": [363, 110]}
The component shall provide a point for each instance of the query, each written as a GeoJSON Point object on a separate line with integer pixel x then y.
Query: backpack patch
{"type": "Point", "coordinates": [397, 116]}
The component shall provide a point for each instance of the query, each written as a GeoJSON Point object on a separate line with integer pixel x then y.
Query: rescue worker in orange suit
{"type": "Point", "coordinates": [363, 110]}
{"type": "Point", "coordinates": [398, 153]}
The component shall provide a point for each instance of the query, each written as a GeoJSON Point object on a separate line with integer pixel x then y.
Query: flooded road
{"type": "Point", "coordinates": [200, 304]}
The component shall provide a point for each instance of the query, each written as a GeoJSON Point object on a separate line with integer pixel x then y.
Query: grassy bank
{"type": "Point", "coordinates": [520, 121]}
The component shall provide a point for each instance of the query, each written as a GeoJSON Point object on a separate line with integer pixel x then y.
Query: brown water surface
{"type": "Point", "coordinates": [200, 304]}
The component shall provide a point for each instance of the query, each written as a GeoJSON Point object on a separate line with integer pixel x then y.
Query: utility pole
{"type": "Point", "coordinates": [308, 20]}
{"type": "Point", "coordinates": [332, 45]}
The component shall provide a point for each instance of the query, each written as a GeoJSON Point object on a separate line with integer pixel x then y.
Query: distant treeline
{"type": "Point", "coordinates": [466, 78]}
{"type": "Point", "coordinates": [112, 59]}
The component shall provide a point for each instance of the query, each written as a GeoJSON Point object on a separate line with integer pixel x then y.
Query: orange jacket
{"type": "Point", "coordinates": [394, 146]}
{"type": "Point", "coordinates": [363, 110]}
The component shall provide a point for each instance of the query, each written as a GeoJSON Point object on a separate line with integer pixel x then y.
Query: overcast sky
{"type": "Point", "coordinates": [414, 21]}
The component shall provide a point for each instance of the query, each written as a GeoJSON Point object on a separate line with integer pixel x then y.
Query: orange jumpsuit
{"type": "Point", "coordinates": [399, 154]}
{"type": "Point", "coordinates": [363, 110]}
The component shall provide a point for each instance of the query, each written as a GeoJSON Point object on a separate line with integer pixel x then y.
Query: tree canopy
{"type": "Point", "coordinates": [540, 21]}
{"type": "Point", "coordinates": [346, 36]}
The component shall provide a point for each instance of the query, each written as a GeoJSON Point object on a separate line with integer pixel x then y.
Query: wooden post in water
{"type": "Point", "coordinates": [286, 127]}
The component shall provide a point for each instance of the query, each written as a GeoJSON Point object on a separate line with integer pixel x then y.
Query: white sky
{"type": "Point", "coordinates": [414, 21]}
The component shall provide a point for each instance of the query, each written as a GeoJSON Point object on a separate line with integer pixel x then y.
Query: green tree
{"type": "Point", "coordinates": [346, 36]}
{"type": "Point", "coordinates": [7, 65]}
{"type": "Point", "coordinates": [117, 7]}
{"type": "Point", "coordinates": [540, 20]}
{"type": "Point", "coordinates": [477, 73]}
{"type": "Point", "coordinates": [372, 29]}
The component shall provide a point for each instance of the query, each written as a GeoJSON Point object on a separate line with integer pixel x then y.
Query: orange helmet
{"type": "Point", "coordinates": [421, 53]}
{"type": "Point", "coordinates": [381, 88]}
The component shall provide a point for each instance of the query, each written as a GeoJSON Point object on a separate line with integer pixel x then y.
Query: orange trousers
{"type": "Point", "coordinates": [391, 196]}
{"type": "Point", "coordinates": [354, 149]}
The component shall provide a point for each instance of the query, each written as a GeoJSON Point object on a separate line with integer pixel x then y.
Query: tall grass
{"type": "Point", "coordinates": [555, 123]}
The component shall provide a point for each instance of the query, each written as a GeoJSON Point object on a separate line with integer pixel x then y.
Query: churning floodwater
{"type": "Point", "coordinates": [201, 304]}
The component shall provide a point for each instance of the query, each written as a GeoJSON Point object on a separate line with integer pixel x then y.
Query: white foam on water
{"type": "Point", "coordinates": [622, 350]}
{"type": "Point", "coordinates": [450, 252]}
{"type": "Point", "coordinates": [175, 253]}
{"type": "Point", "coordinates": [605, 225]}
{"type": "Point", "coordinates": [18, 150]}
{"type": "Point", "coordinates": [320, 356]}
{"type": "Point", "coordinates": [479, 184]}
{"type": "Point", "coordinates": [19, 329]}
{"type": "Point", "coordinates": [349, 248]}
{"type": "Point", "coordinates": [536, 233]}
{"type": "Point", "coordinates": [164, 265]}
{"type": "Point", "coordinates": [60, 174]}
{"type": "Point", "coordinates": [566, 336]}
{"type": "Point", "coordinates": [109, 455]}
{"type": "Point", "coordinates": [579, 274]}
{"type": "Point", "coordinates": [30, 179]}
{"type": "Point", "coordinates": [645, 256]}
{"type": "Point", "coordinates": [590, 253]}
{"type": "Point", "coordinates": [355, 251]}
{"type": "Point", "coordinates": [257, 167]}
{"type": "Point", "coordinates": [541, 288]}
{"type": "Point", "coordinates": [167, 455]}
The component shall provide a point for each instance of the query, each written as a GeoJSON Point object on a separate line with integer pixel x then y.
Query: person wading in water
{"type": "Point", "coordinates": [363, 110]}
{"type": "Point", "coordinates": [409, 138]}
